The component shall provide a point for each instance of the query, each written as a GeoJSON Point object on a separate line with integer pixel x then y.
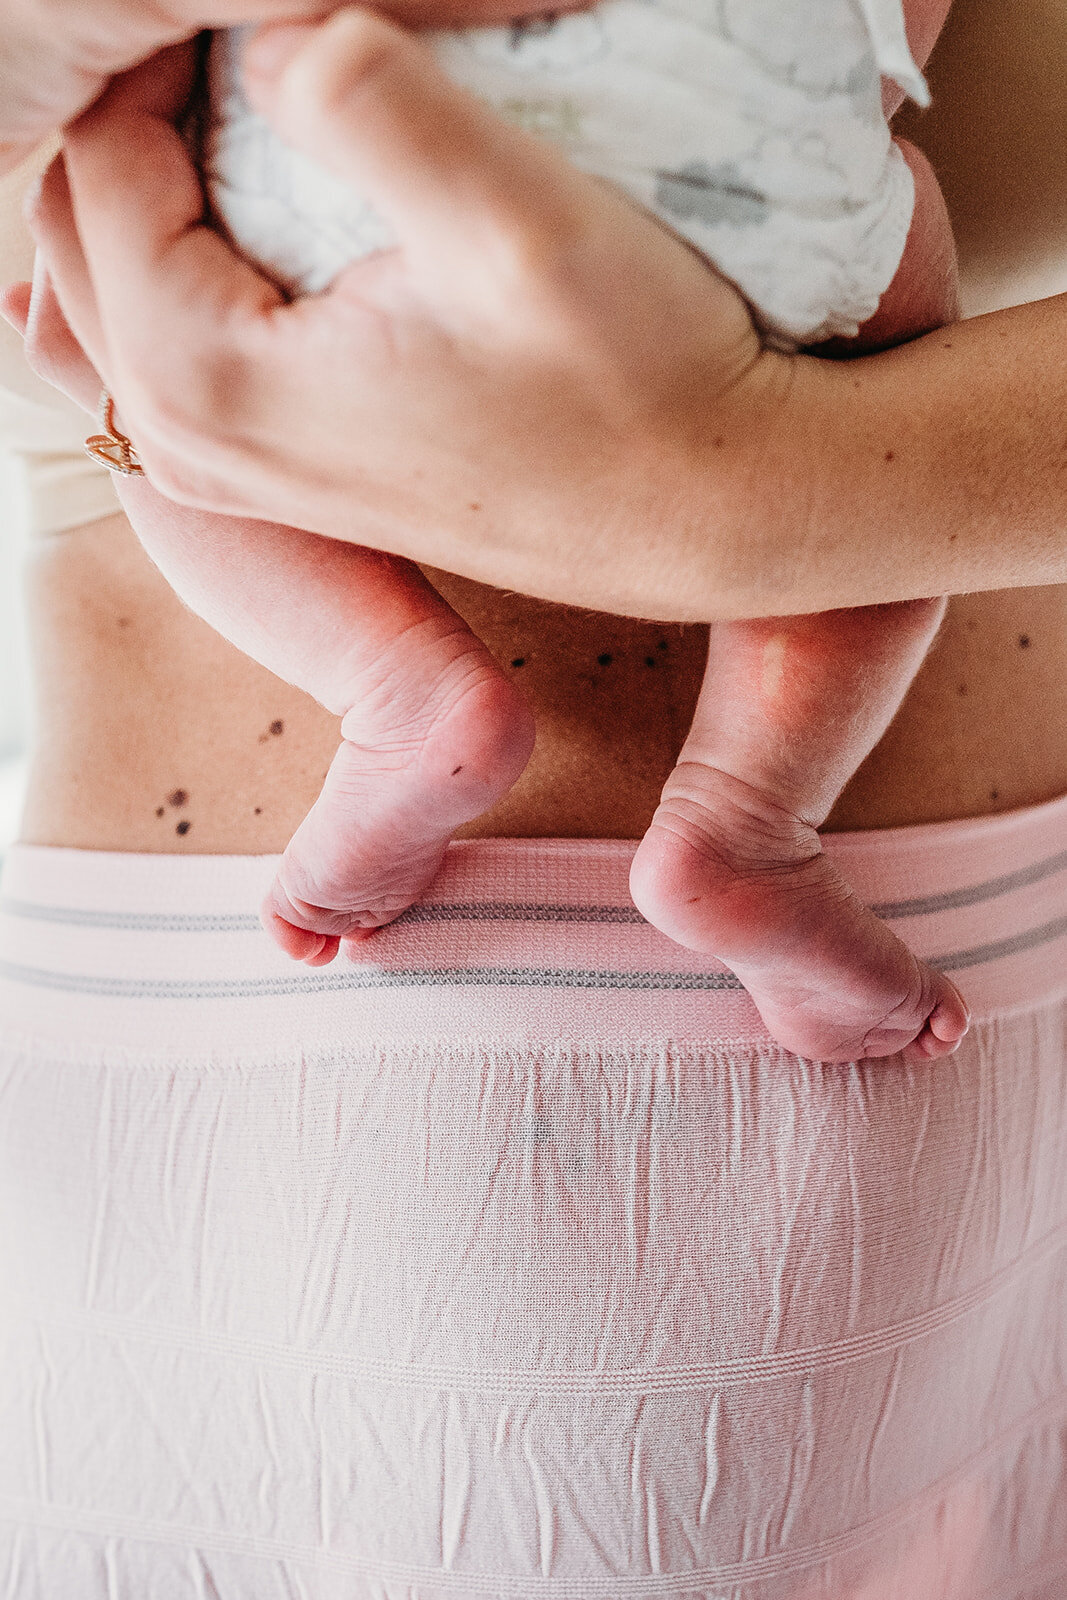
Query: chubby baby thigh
{"type": "Point", "coordinates": [924, 292]}
{"type": "Point", "coordinates": [924, 20]}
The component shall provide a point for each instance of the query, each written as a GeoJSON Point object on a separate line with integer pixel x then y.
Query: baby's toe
{"type": "Point", "coordinates": [314, 949]}
{"type": "Point", "coordinates": [944, 1028]}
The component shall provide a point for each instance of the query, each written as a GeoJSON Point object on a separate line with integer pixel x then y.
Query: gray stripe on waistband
{"type": "Point", "coordinates": [1032, 940]}
{"type": "Point", "coordinates": [502, 911]}
{"type": "Point", "coordinates": [132, 921]}
{"type": "Point", "coordinates": [520, 911]}
{"type": "Point", "coordinates": [434, 911]}
{"type": "Point", "coordinates": [976, 893]}
{"type": "Point", "coordinates": [332, 983]}
{"type": "Point", "coordinates": [458, 977]}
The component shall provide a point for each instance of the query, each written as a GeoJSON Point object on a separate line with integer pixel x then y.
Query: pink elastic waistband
{"type": "Point", "coordinates": [519, 940]}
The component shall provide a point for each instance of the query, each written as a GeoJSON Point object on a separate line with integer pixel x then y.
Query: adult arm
{"type": "Point", "coordinates": [539, 387]}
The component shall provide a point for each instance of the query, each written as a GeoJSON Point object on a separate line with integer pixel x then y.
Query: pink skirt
{"type": "Point", "coordinates": [514, 1259]}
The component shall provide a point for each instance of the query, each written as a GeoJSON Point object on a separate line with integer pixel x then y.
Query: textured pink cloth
{"type": "Point", "coordinates": [514, 1260]}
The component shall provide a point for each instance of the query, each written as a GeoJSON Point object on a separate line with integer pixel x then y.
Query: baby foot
{"type": "Point", "coordinates": [724, 870]}
{"type": "Point", "coordinates": [436, 735]}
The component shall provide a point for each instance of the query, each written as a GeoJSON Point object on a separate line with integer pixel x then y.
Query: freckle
{"type": "Point", "coordinates": [183, 828]}
{"type": "Point", "coordinates": [277, 726]}
{"type": "Point", "coordinates": [961, 688]}
{"type": "Point", "coordinates": [952, 538]}
{"type": "Point", "coordinates": [890, 455]}
{"type": "Point", "coordinates": [519, 661]}
{"type": "Point", "coordinates": [124, 622]}
{"type": "Point", "coordinates": [946, 347]}
{"type": "Point", "coordinates": [1024, 641]}
{"type": "Point", "coordinates": [650, 661]}
{"type": "Point", "coordinates": [457, 770]}
{"type": "Point", "coordinates": [476, 505]}
{"type": "Point", "coordinates": [604, 661]}
{"type": "Point", "coordinates": [663, 645]}
{"type": "Point", "coordinates": [994, 794]}
{"type": "Point", "coordinates": [178, 798]}
{"type": "Point", "coordinates": [159, 811]}
{"type": "Point", "coordinates": [718, 442]}
{"type": "Point", "coordinates": [259, 811]}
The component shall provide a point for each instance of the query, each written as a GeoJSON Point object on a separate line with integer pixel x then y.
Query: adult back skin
{"type": "Point", "coordinates": [121, 666]}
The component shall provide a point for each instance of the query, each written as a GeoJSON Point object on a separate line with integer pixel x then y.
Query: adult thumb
{"type": "Point", "coordinates": [367, 100]}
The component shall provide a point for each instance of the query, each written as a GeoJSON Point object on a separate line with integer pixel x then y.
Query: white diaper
{"type": "Point", "coordinates": [753, 128]}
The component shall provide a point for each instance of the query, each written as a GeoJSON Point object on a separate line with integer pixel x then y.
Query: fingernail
{"type": "Point", "coordinates": [271, 48]}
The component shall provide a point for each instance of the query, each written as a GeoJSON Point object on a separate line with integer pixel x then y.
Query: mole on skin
{"type": "Point", "coordinates": [178, 798]}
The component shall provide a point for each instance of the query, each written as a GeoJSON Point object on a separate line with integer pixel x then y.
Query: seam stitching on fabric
{"type": "Point", "coordinates": [641, 1586]}
{"type": "Point", "coordinates": [617, 1382]}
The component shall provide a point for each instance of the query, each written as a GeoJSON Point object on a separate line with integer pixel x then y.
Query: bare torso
{"type": "Point", "coordinates": [148, 721]}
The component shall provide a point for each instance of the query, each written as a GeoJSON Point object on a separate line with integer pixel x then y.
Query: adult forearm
{"type": "Point", "coordinates": [938, 467]}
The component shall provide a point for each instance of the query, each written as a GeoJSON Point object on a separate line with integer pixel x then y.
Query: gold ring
{"type": "Point", "coordinates": [111, 448]}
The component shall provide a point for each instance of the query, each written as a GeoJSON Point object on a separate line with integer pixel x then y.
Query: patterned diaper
{"type": "Point", "coordinates": [753, 128]}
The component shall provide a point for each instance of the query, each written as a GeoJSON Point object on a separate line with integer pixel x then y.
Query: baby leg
{"type": "Point", "coordinates": [433, 733]}
{"type": "Point", "coordinates": [732, 863]}
{"type": "Point", "coordinates": [789, 708]}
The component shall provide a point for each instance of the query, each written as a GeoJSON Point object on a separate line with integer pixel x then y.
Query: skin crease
{"type": "Point", "coordinates": [123, 668]}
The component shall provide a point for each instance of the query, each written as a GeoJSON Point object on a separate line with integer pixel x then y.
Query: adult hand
{"type": "Point", "coordinates": [58, 54]}
{"type": "Point", "coordinates": [533, 335]}
{"type": "Point", "coordinates": [539, 387]}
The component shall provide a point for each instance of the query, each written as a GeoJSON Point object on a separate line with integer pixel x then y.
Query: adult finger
{"type": "Point", "coordinates": [151, 255]}
{"type": "Point", "coordinates": [144, 394]}
{"type": "Point", "coordinates": [50, 215]}
{"type": "Point", "coordinates": [52, 349]}
{"type": "Point", "coordinates": [369, 102]}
